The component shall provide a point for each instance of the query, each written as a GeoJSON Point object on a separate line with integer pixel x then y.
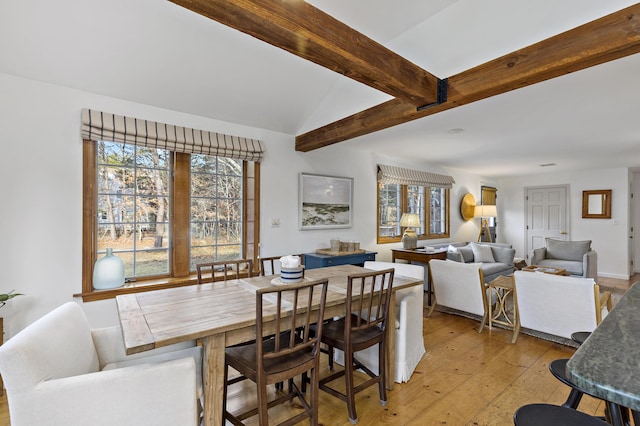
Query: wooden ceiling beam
{"type": "Point", "coordinates": [301, 29]}
{"type": "Point", "coordinates": [611, 37]}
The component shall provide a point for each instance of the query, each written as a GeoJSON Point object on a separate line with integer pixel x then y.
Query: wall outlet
{"type": "Point", "coordinates": [275, 222]}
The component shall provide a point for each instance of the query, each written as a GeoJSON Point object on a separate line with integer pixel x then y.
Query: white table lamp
{"type": "Point", "coordinates": [409, 238]}
{"type": "Point", "coordinates": [484, 212]}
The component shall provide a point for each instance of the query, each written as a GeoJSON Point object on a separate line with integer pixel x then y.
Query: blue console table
{"type": "Point", "coordinates": [315, 260]}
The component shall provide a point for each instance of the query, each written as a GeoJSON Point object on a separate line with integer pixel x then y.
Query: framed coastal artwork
{"type": "Point", "coordinates": [325, 202]}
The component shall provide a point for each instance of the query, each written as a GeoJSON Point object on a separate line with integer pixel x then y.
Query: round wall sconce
{"type": "Point", "coordinates": [468, 206]}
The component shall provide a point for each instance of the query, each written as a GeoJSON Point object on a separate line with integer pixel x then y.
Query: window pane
{"type": "Point", "coordinates": [415, 204]}
{"type": "Point", "coordinates": [430, 204]}
{"type": "Point", "coordinates": [438, 211]}
{"type": "Point", "coordinates": [216, 209]}
{"type": "Point", "coordinates": [149, 262]}
{"type": "Point", "coordinates": [133, 206]}
{"type": "Point", "coordinates": [389, 210]}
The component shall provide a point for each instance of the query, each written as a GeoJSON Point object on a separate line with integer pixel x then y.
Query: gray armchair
{"type": "Point", "coordinates": [576, 257]}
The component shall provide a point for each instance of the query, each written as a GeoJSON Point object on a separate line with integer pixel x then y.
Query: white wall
{"type": "Point", "coordinates": [41, 171]}
{"type": "Point", "coordinates": [609, 236]}
{"type": "Point", "coordinates": [280, 200]}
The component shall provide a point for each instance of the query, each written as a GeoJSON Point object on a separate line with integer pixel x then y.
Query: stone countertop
{"type": "Point", "coordinates": [608, 362]}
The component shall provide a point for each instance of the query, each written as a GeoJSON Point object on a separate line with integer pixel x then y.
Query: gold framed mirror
{"type": "Point", "coordinates": [596, 204]}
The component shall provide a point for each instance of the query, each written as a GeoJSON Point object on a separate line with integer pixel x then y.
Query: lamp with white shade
{"type": "Point", "coordinates": [409, 238]}
{"type": "Point", "coordinates": [485, 212]}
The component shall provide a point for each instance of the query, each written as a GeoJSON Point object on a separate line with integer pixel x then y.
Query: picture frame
{"type": "Point", "coordinates": [325, 202]}
{"type": "Point", "coordinates": [596, 204]}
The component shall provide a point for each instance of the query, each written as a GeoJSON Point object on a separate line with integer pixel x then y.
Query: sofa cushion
{"type": "Point", "coordinates": [567, 250]}
{"type": "Point", "coordinates": [489, 269]}
{"type": "Point", "coordinates": [482, 253]}
{"type": "Point", "coordinates": [503, 254]}
{"type": "Point", "coordinates": [467, 253]}
{"type": "Point", "coordinates": [573, 267]}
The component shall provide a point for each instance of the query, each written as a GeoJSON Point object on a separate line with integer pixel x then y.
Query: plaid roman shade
{"type": "Point", "coordinates": [97, 125]}
{"type": "Point", "coordinates": [399, 175]}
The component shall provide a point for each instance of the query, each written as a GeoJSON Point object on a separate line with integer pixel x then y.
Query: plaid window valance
{"type": "Point", "coordinates": [399, 175]}
{"type": "Point", "coordinates": [97, 125]}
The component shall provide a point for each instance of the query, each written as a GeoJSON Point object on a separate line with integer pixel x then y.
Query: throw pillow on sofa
{"type": "Point", "coordinates": [482, 253]}
{"type": "Point", "coordinates": [466, 253]}
{"type": "Point", "coordinates": [503, 254]}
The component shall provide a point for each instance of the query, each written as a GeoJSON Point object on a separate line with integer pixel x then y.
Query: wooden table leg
{"type": "Point", "coordinates": [390, 354]}
{"type": "Point", "coordinates": [213, 379]}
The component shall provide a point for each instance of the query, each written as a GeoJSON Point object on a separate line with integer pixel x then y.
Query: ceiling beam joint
{"type": "Point", "coordinates": [443, 86]}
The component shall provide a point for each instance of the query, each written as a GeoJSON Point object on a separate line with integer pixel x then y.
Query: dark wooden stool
{"type": "Point", "coordinates": [547, 414]}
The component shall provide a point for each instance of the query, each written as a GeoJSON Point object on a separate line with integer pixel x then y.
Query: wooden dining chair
{"type": "Point", "coordinates": [230, 269]}
{"type": "Point", "coordinates": [368, 298]}
{"type": "Point", "coordinates": [283, 353]}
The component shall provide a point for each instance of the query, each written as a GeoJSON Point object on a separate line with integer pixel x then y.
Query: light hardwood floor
{"type": "Point", "coordinates": [465, 378]}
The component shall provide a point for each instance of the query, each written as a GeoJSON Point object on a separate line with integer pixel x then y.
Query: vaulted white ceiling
{"type": "Point", "coordinates": [156, 53]}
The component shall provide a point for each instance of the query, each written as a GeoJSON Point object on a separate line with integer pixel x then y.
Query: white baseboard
{"type": "Point", "coordinates": [616, 276]}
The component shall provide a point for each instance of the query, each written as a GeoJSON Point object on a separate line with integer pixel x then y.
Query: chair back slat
{"type": "Point", "coordinates": [231, 269]}
{"type": "Point", "coordinates": [297, 307]}
{"type": "Point", "coordinates": [369, 304]}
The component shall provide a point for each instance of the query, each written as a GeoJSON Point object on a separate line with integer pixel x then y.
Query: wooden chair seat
{"type": "Point", "coordinates": [333, 335]}
{"type": "Point", "coordinates": [243, 358]}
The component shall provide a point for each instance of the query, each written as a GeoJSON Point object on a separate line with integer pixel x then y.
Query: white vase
{"type": "Point", "coordinates": [108, 272]}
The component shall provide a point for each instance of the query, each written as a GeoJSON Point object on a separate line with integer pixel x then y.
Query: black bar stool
{"type": "Point", "coordinates": [547, 414]}
{"type": "Point", "coordinates": [580, 336]}
{"type": "Point", "coordinates": [558, 369]}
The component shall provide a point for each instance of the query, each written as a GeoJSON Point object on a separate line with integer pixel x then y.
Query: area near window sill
{"type": "Point", "coordinates": [140, 286]}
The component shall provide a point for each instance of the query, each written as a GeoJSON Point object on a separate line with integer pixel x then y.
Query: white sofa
{"type": "Point", "coordinates": [59, 372]}
{"type": "Point", "coordinates": [409, 345]}
{"type": "Point", "coordinates": [459, 286]}
{"type": "Point", "coordinates": [559, 305]}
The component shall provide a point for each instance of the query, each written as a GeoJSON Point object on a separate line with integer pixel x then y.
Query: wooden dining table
{"type": "Point", "coordinates": [221, 314]}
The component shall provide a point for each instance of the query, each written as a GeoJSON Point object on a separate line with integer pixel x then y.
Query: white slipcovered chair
{"type": "Point", "coordinates": [560, 305]}
{"type": "Point", "coordinates": [57, 371]}
{"type": "Point", "coordinates": [459, 286]}
{"type": "Point", "coordinates": [409, 345]}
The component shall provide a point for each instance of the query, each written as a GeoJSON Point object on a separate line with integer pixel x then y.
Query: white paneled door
{"type": "Point", "coordinates": [547, 215]}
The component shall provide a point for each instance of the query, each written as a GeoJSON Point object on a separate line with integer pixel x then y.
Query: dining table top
{"type": "Point", "coordinates": [162, 317]}
{"type": "Point", "coordinates": [606, 364]}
